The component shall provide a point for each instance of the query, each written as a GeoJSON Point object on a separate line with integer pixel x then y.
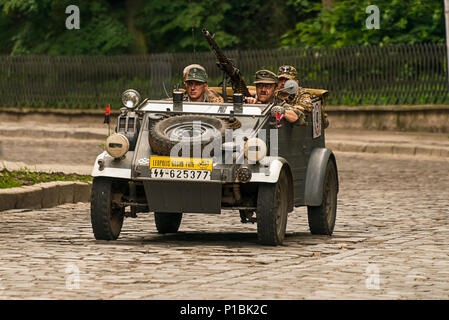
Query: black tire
{"type": "Point", "coordinates": [164, 134]}
{"type": "Point", "coordinates": [272, 211]}
{"type": "Point", "coordinates": [322, 218]}
{"type": "Point", "coordinates": [167, 222]}
{"type": "Point", "coordinates": [106, 219]}
{"type": "Point", "coordinates": [244, 215]}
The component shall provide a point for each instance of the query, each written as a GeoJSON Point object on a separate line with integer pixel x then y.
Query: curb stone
{"type": "Point", "coordinates": [393, 149]}
{"type": "Point", "coordinates": [45, 195]}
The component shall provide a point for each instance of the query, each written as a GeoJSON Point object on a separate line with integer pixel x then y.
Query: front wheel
{"type": "Point", "coordinates": [272, 211]}
{"type": "Point", "coordinates": [167, 222]}
{"type": "Point", "coordinates": [106, 218]}
{"type": "Point", "coordinates": [322, 218]}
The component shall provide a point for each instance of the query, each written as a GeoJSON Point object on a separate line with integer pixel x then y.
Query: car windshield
{"type": "Point", "coordinates": [203, 107]}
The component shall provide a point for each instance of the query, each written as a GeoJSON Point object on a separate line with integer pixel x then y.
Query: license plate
{"type": "Point", "coordinates": [180, 174]}
{"type": "Point", "coordinates": [172, 168]}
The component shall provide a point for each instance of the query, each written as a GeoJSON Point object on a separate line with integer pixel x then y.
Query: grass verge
{"type": "Point", "coordinates": [25, 177]}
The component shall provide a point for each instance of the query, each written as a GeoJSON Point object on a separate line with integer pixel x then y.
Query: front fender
{"type": "Point", "coordinates": [113, 168]}
{"type": "Point", "coordinates": [316, 169]}
{"type": "Point", "coordinates": [270, 171]}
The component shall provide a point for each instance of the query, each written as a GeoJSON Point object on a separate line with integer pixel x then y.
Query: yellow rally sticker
{"type": "Point", "coordinates": [181, 163]}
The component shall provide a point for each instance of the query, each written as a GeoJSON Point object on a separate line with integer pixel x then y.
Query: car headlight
{"type": "Point", "coordinates": [255, 149]}
{"type": "Point", "coordinates": [117, 145]}
{"type": "Point", "coordinates": [130, 98]}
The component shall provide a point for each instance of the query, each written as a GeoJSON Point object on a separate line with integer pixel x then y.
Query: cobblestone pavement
{"type": "Point", "coordinates": [390, 242]}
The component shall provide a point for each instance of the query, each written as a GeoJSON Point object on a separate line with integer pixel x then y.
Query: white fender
{"type": "Point", "coordinates": [269, 170]}
{"type": "Point", "coordinates": [119, 170]}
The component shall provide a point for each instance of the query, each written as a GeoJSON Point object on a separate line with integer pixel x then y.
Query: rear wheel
{"type": "Point", "coordinates": [272, 211]}
{"type": "Point", "coordinates": [322, 218]}
{"type": "Point", "coordinates": [167, 222]}
{"type": "Point", "coordinates": [106, 218]}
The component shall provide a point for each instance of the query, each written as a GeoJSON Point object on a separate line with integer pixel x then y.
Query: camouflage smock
{"type": "Point", "coordinates": [302, 101]}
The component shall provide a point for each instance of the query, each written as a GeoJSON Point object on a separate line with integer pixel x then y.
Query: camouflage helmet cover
{"type": "Point", "coordinates": [288, 72]}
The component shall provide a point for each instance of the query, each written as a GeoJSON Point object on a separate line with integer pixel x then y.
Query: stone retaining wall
{"type": "Point", "coordinates": [45, 195]}
{"type": "Point", "coordinates": [426, 118]}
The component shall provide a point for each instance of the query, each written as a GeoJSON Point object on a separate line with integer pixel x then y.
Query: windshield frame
{"type": "Point", "coordinates": [216, 109]}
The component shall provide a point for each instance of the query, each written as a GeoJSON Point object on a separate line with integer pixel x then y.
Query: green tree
{"type": "Point", "coordinates": [168, 25]}
{"type": "Point", "coordinates": [38, 27]}
{"type": "Point", "coordinates": [110, 27]}
{"type": "Point", "coordinates": [343, 23]}
{"type": "Point", "coordinates": [175, 26]}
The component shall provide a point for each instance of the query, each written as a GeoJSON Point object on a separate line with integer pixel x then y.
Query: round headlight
{"type": "Point", "coordinates": [117, 145]}
{"type": "Point", "coordinates": [130, 98]}
{"type": "Point", "coordinates": [255, 149]}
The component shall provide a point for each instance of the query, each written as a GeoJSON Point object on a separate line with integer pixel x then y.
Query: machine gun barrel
{"type": "Point", "coordinates": [227, 66]}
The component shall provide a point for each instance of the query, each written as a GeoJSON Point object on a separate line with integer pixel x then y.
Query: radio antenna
{"type": "Point", "coordinates": [193, 38]}
{"type": "Point", "coordinates": [165, 89]}
{"type": "Point", "coordinates": [193, 42]}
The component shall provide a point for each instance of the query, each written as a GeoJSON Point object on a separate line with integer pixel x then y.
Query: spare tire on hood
{"type": "Point", "coordinates": [185, 132]}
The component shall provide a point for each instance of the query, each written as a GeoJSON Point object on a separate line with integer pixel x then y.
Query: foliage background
{"type": "Point", "coordinates": [145, 43]}
{"type": "Point", "coordinates": [153, 26]}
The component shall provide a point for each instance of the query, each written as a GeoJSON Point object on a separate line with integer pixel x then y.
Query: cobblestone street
{"type": "Point", "coordinates": [391, 241]}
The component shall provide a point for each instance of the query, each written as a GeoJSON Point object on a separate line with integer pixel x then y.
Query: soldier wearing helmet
{"type": "Point", "coordinates": [197, 89]}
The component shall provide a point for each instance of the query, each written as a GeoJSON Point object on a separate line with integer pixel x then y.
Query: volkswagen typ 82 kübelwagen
{"type": "Point", "coordinates": [175, 157]}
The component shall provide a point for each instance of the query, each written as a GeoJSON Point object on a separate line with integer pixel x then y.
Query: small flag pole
{"type": "Point", "coordinates": [107, 118]}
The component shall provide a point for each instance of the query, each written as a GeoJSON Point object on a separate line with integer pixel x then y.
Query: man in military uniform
{"type": "Point", "coordinates": [302, 100]}
{"type": "Point", "coordinates": [266, 82]}
{"type": "Point", "coordinates": [197, 89]}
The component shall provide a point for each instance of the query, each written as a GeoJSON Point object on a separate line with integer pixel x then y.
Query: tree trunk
{"type": "Point", "coordinates": [327, 4]}
{"type": "Point", "coordinates": [138, 46]}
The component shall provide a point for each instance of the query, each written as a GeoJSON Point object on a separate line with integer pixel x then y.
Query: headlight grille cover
{"type": "Point", "coordinates": [117, 145]}
{"type": "Point", "coordinates": [255, 149]}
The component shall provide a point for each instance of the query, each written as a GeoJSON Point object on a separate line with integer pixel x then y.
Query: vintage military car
{"type": "Point", "coordinates": [175, 157]}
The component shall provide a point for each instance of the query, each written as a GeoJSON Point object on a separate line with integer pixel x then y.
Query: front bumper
{"type": "Point", "coordinates": [183, 196]}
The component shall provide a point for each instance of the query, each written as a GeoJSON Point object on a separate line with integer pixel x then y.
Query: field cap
{"type": "Point", "coordinates": [265, 76]}
{"type": "Point", "coordinates": [195, 72]}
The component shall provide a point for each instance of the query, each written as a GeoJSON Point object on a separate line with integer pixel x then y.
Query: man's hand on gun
{"type": "Point", "coordinates": [251, 100]}
{"type": "Point", "coordinates": [290, 115]}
